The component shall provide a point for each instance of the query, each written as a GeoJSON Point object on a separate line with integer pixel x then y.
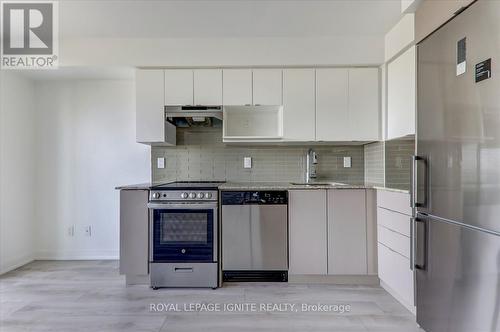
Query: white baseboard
{"type": "Point", "coordinates": [15, 263]}
{"type": "Point", "coordinates": [78, 255]}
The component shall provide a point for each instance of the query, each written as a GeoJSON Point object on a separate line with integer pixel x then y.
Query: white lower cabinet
{"type": "Point", "coordinates": [347, 238]}
{"type": "Point", "coordinates": [395, 275]}
{"type": "Point", "coordinates": [328, 232]}
{"type": "Point", "coordinates": [307, 249]}
{"type": "Point", "coordinates": [393, 236]}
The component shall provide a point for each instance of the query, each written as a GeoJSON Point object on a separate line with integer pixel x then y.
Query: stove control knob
{"type": "Point", "coordinates": [156, 195]}
{"type": "Point", "coordinates": [192, 195]}
{"type": "Point", "coordinates": [201, 195]}
{"type": "Point", "coordinates": [184, 195]}
{"type": "Point", "coordinates": [208, 195]}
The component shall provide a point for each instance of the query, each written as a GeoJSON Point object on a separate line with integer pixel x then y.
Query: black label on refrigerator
{"type": "Point", "coordinates": [461, 56]}
{"type": "Point", "coordinates": [483, 70]}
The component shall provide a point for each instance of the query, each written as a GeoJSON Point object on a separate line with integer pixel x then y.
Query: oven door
{"type": "Point", "coordinates": [183, 232]}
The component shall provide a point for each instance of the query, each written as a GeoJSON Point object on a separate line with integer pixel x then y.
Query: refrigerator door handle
{"type": "Point", "coordinates": [420, 246]}
{"type": "Point", "coordinates": [414, 201]}
{"type": "Point", "coordinates": [412, 243]}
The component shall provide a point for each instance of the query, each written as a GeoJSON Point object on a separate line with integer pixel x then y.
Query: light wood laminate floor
{"type": "Point", "coordinates": [91, 296]}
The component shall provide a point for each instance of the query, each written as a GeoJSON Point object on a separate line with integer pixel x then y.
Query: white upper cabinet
{"type": "Point", "coordinates": [324, 104]}
{"type": "Point", "coordinates": [179, 87]}
{"type": "Point", "coordinates": [299, 105]}
{"type": "Point", "coordinates": [267, 87]}
{"type": "Point", "coordinates": [151, 126]}
{"type": "Point", "coordinates": [401, 87]}
{"type": "Point", "coordinates": [208, 86]}
{"type": "Point", "coordinates": [364, 104]}
{"type": "Point", "coordinates": [252, 87]}
{"type": "Point", "coordinates": [193, 87]}
{"type": "Point", "coordinates": [332, 104]}
{"type": "Point", "coordinates": [237, 86]}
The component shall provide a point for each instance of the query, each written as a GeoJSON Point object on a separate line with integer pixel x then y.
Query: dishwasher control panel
{"type": "Point", "coordinates": [267, 197]}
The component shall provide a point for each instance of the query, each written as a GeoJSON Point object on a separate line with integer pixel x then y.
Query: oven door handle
{"type": "Point", "coordinates": [189, 206]}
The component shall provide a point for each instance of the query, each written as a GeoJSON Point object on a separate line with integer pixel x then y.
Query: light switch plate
{"type": "Point", "coordinates": [247, 162]}
{"type": "Point", "coordinates": [160, 162]}
{"type": "Point", "coordinates": [347, 162]}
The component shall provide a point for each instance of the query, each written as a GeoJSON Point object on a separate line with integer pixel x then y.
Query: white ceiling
{"type": "Point", "coordinates": [226, 19]}
{"type": "Point", "coordinates": [291, 32]}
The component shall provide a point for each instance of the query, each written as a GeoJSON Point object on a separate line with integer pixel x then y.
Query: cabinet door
{"type": "Point", "coordinates": [401, 95]}
{"type": "Point", "coordinates": [150, 117]}
{"type": "Point", "coordinates": [332, 108]}
{"type": "Point", "coordinates": [178, 87]}
{"type": "Point", "coordinates": [208, 87]}
{"type": "Point", "coordinates": [237, 86]}
{"type": "Point", "coordinates": [268, 87]}
{"type": "Point", "coordinates": [364, 104]}
{"type": "Point", "coordinates": [347, 232]}
{"type": "Point", "coordinates": [394, 271]}
{"type": "Point", "coordinates": [299, 105]}
{"type": "Point", "coordinates": [134, 232]}
{"type": "Point", "coordinates": [307, 232]}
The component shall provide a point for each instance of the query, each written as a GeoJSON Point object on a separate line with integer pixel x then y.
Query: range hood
{"type": "Point", "coordinates": [189, 116]}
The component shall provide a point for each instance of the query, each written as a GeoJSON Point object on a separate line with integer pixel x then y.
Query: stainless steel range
{"type": "Point", "coordinates": [183, 234]}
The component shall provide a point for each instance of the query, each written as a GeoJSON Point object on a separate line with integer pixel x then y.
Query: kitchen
{"type": "Point", "coordinates": [182, 180]}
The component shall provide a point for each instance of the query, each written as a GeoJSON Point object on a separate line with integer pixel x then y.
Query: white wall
{"type": "Point", "coordinates": [17, 170]}
{"type": "Point", "coordinates": [86, 147]}
{"type": "Point", "coordinates": [233, 33]}
{"type": "Point", "coordinates": [149, 52]}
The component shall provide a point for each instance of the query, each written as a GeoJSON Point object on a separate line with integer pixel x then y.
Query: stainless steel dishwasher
{"type": "Point", "coordinates": [254, 235]}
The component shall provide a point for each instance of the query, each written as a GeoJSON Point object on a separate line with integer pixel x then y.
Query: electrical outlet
{"type": "Point", "coordinates": [399, 162]}
{"type": "Point", "coordinates": [88, 230]}
{"type": "Point", "coordinates": [247, 162]}
{"type": "Point", "coordinates": [71, 231]}
{"type": "Point", "coordinates": [347, 162]}
{"type": "Point", "coordinates": [160, 162]}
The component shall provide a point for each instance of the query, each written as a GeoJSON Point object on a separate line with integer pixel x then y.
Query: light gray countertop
{"type": "Point", "coordinates": [272, 186]}
{"type": "Point", "coordinates": [285, 186]}
{"type": "Point", "coordinates": [404, 191]}
{"type": "Point", "coordinates": [138, 186]}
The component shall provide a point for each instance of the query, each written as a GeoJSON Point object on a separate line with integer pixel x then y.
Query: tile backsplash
{"type": "Point", "coordinates": [397, 163]}
{"type": "Point", "coordinates": [201, 155]}
{"type": "Point", "coordinates": [374, 164]}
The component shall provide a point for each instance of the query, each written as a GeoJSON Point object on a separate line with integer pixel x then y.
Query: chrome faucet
{"type": "Point", "coordinates": [311, 162]}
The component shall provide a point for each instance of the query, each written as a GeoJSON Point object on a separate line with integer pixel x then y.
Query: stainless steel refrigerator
{"type": "Point", "coordinates": [456, 182]}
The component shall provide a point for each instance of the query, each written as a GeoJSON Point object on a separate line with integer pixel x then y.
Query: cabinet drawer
{"type": "Point", "coordinates": [394, 240]}
{"type": "Point", "coordinates": [394, 271]}
{"type": "Point", "coordinates": [394, 201]}
{"type": "Point", "coordinates": [393, 220]}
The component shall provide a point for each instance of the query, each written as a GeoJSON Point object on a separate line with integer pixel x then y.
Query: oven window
{"type": "Point", "coordinates": [191, 227]}
{"type": "Point", "coordinates": [181, 235]}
